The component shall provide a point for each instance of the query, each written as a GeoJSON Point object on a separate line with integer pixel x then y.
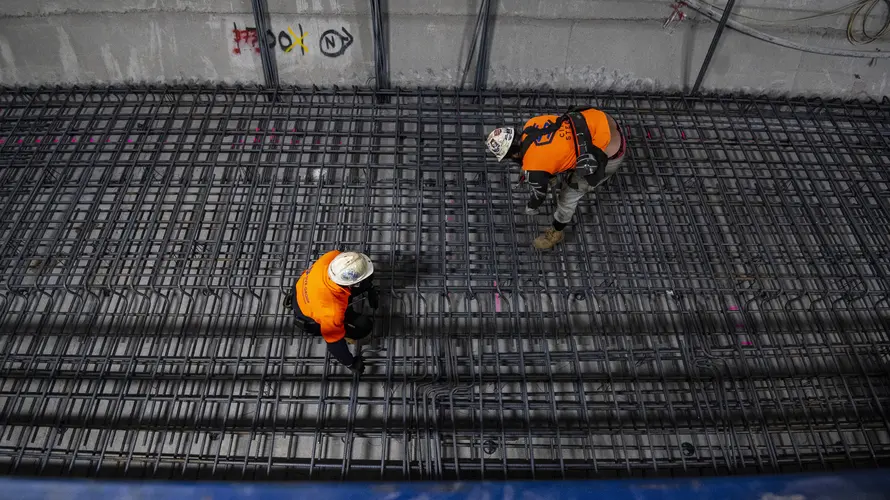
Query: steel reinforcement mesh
{"type": "Point", "coordinates": [721, 306]}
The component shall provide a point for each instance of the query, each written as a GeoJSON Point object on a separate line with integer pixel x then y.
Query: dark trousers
{"type": "Point", "coordinates": [358, 326]}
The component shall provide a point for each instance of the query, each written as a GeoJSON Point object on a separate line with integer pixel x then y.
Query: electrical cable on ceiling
{"type": "Point", "coordinates": [838, 10]}
{"type": "Point", "coordinates": [742, 28]}
{"type": "Point", "coordinates": [866, 38]}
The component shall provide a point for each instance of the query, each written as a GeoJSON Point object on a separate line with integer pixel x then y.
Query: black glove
{"type": "Point", "coordinates": [358, 366]}
{"type": "Point", "coordinates": [373, 298]}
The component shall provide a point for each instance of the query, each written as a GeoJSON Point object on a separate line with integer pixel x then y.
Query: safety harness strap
{"type": "Point", "coordinates": [591, 159]}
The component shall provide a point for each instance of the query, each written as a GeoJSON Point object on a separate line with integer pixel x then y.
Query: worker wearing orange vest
{"type": "Point", "coordinates": [587, 144]}
{"type": "Point", "coordinates": [322, 298]}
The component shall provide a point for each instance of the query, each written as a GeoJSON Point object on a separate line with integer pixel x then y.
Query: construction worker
{"type": "Point", "coordinates": [322, 302]}
{"type": "Point", "coordinates": [586, 144]}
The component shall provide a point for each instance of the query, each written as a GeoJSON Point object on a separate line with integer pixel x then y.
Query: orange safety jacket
{"type": "Point", "coordinates": [555, 153]}
{"type": "Point", "coordinates": [322, 300]}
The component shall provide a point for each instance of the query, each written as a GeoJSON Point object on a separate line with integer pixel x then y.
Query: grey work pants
{"type": "Point", "coordinates": [570, 196]}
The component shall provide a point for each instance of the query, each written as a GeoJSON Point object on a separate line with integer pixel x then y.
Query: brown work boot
{"type": "Point", "coordinates": [549, 239]}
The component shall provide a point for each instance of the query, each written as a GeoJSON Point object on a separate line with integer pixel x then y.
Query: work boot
{"type": "Point", "coordinates": [549, 239]}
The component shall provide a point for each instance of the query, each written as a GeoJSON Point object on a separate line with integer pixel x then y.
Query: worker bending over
{"type": "Point", "coordinates": [587, 144]}
{"type": "Point", "coordinates": [323, 294]}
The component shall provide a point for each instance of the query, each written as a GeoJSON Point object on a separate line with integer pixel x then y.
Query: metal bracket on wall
{"type": "Point", "coordinates": [714, 41]}
{"type": "Point", "coordinates": [267, 55]}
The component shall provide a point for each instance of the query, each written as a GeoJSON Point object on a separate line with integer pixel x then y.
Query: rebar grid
{"type": "Point", "coordinates": [719, 307]}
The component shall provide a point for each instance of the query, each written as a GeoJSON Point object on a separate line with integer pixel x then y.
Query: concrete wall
{"type": "Point", "coordinates": [578, 44]}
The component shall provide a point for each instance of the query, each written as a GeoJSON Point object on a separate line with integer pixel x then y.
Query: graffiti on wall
{"type": "Point", "coordinates": [331, 43]}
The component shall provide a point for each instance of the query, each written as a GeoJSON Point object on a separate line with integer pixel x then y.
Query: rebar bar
{"type": "Point", "coordinates": [721, 306]}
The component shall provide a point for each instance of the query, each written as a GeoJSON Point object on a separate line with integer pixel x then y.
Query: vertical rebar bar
{"type": "Point", "coordinates": [267, 55]}
{"type": "Point", "coordinates": [711, 48]}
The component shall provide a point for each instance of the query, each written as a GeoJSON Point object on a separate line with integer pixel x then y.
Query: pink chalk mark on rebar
{"type": "Point", "coordinates": [648, 135]}
{"type": "Point", "coordinates": [273, 129]}
{"type": "Point", "coordinates": [257, 129]}
{"type": "Point", "coordinates": [92, 140]}
{"type": "Point", "coordinates": [2, 141]}
{"type": "Point", "coordinates": [20, 141]}
{"type": "Point", "coordinates": [746, 342]}
{"type": "Point", "coordinates": [497, 299]}
{"type": "Point", "coordinates": [683, 135]}
{"type": "Point", "coordinates": [56, 140]}
{"type": "Point", "coordinates": [240, 140]}
{"type": "Point", "coordinates": [129, 140]}
{"type": "Point", "coordinates": [256, 139]}
{"type": "Point", "coordinates": [733, 308]}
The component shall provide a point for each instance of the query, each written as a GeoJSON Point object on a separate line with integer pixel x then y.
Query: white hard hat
{"type": "Point", "coordinates": [349, 268]}
{"type": "Point", "coordinates": [499, 141]}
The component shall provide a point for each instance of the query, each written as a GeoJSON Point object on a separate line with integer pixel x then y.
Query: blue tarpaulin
{"type": "Point", "coordinates": [864, 485]}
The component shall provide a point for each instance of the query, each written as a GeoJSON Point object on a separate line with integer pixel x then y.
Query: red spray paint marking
{"type": "Point", "coordinates": [733, 308]}
{"type": "Point", "coordinates": [20, 141]}
{"type": "Point", "coordinates": [648, 135]}
{"type": "Point", "coordinates": [257, 129]}
{"type": "Point", "coordinates": [747, 342]}
{"type": "Point", "coordinates": [497, 299]}
{"type": "Point", "coordinates": [683, 135]}
{"type": "Point", "coordinates": [37, 141]}
{"type": "Point", "coordinates": [56, 140]}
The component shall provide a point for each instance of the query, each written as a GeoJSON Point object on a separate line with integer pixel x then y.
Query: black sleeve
{"type": "Point", "coordinates": [539, 181]}
{"type": "Point", "coordinates": [340, 350]}
{"type": "Point", "coordinates": [362, 287]}
{"type": "Point", "coordinates": [366, 285]}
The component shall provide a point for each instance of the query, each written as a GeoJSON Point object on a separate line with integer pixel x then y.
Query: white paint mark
{"type": "Point", "coordinates": [210, 71]}
{"type": "Point", "coordinates": [70, 64]}
{"type": "Point", "coordinates": [111, 64]}
{"type": "Point", "coordinates": [8, 71]}
{"type": "Point", "coordinates": [133, 66]}
{"type": "Point", "coordinates": [156, 44]}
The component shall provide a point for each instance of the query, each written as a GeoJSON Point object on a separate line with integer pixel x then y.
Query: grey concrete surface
{"type": "Point", "coordinates": [562, 44]}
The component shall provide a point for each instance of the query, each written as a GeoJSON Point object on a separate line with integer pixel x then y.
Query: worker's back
{"type": "Point", "coordinates": [555, 153]}
{"type": "Point", "coordinates": [322, 300]}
